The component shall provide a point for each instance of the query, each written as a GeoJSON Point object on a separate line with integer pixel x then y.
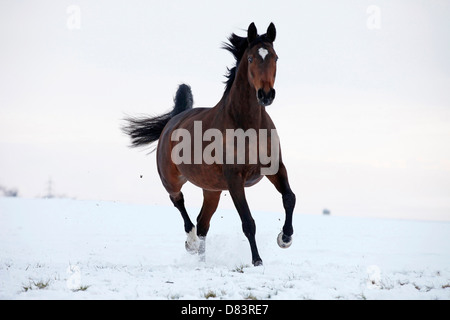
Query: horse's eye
{"type": "Point", "coordinates": [250, 59]}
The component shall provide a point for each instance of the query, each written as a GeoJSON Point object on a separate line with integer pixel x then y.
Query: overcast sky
{"type": "Point", "coordinates": [362, 106]}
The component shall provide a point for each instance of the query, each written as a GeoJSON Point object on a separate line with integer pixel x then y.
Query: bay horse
{"type": "Point", "coordinates": [249, 90]}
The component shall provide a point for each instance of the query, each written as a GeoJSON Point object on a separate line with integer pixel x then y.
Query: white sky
{"type": "Point", "coordinates": [363, 114]}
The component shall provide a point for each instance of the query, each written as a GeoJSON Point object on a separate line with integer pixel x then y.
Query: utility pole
{"type": "Point", "coordinates": [49, 189]}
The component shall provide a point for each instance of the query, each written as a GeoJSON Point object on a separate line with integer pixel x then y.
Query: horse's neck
{"type": "Point", "coordinates": [242, 105]}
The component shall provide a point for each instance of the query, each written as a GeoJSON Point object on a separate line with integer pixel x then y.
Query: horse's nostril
{"type": "Point", "coordinates": [260, 94]}
{"type": "Point", "coordinates": [265, 98]}
{"type": "Point", "coordinates": [272, 94]}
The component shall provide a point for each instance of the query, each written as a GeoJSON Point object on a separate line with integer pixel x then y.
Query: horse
{"type": "Point", "coordinates": [242, 109]}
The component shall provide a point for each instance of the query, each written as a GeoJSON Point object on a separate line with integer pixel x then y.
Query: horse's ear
{"type": "Point", "coordinates": [271, 32]}
{"type": "Point", "coordinates": [252, 33]}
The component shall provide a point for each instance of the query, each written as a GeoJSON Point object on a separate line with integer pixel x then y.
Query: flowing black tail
{"type": "Point", "coordinates": [144, 131]}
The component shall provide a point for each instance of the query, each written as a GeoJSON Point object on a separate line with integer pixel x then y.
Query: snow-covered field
{"type": "Point", "coordinates": [68, 249]}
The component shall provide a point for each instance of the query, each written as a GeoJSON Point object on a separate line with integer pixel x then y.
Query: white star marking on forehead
{"type": "Point", "coordinates": [263, 53]}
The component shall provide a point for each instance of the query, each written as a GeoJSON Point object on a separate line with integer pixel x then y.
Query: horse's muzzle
{"type": "Point", "coordinates": [265, 98]}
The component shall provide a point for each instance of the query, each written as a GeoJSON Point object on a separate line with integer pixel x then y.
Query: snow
{"type": "Point", "coordinates": [69, 249]}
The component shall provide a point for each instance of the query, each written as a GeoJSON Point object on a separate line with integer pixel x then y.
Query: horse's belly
{"type": "Point", "coordinates": [211, 177]}
{"type": "Point", "coordinates": [206, 177]}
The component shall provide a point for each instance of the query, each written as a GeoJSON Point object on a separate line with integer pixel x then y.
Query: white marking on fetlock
{"type": "Point", "coordinates": [202, 245]}
{"type": "Point", "coordinates": [192, 242]}
{"type": "Point", "coordinates": [263, 52]}
{"type": "Point", "coordinates": [281, 243]}
{"type": "Point", "coordinates": [201, 249]}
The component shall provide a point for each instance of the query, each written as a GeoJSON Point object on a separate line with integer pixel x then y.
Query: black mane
{"type": "Point", "coordinates": [237, 46]}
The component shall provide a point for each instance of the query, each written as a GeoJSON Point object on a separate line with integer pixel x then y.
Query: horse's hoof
{"type": "Point", "coordinates": [284, 241]}
{"type": "Point", "coordinates": [257, 263]}
{"type": "Point", "coordinates": [192, 243]}
{"type": "Point", "coordinates": [192, 249]}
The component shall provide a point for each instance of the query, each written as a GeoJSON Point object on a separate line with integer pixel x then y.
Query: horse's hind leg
{"type": "Point", "coordinates": [192, 242]}
{"type": "Point", "coordinates": [210, 203]}
{"type": "Point", "coordinates": [173, 181]}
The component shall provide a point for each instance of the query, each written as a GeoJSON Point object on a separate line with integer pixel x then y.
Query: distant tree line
{"type": "Point", "coordinates": [9, 192]}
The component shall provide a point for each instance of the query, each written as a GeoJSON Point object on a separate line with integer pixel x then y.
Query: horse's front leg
{"type": "Point", "coordinates": [280, 181]}
{"type": "Point", "coordinates": [236, 189]}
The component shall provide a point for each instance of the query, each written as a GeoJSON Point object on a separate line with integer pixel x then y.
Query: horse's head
{"type": "Point", "coordinates": [262, 63]}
